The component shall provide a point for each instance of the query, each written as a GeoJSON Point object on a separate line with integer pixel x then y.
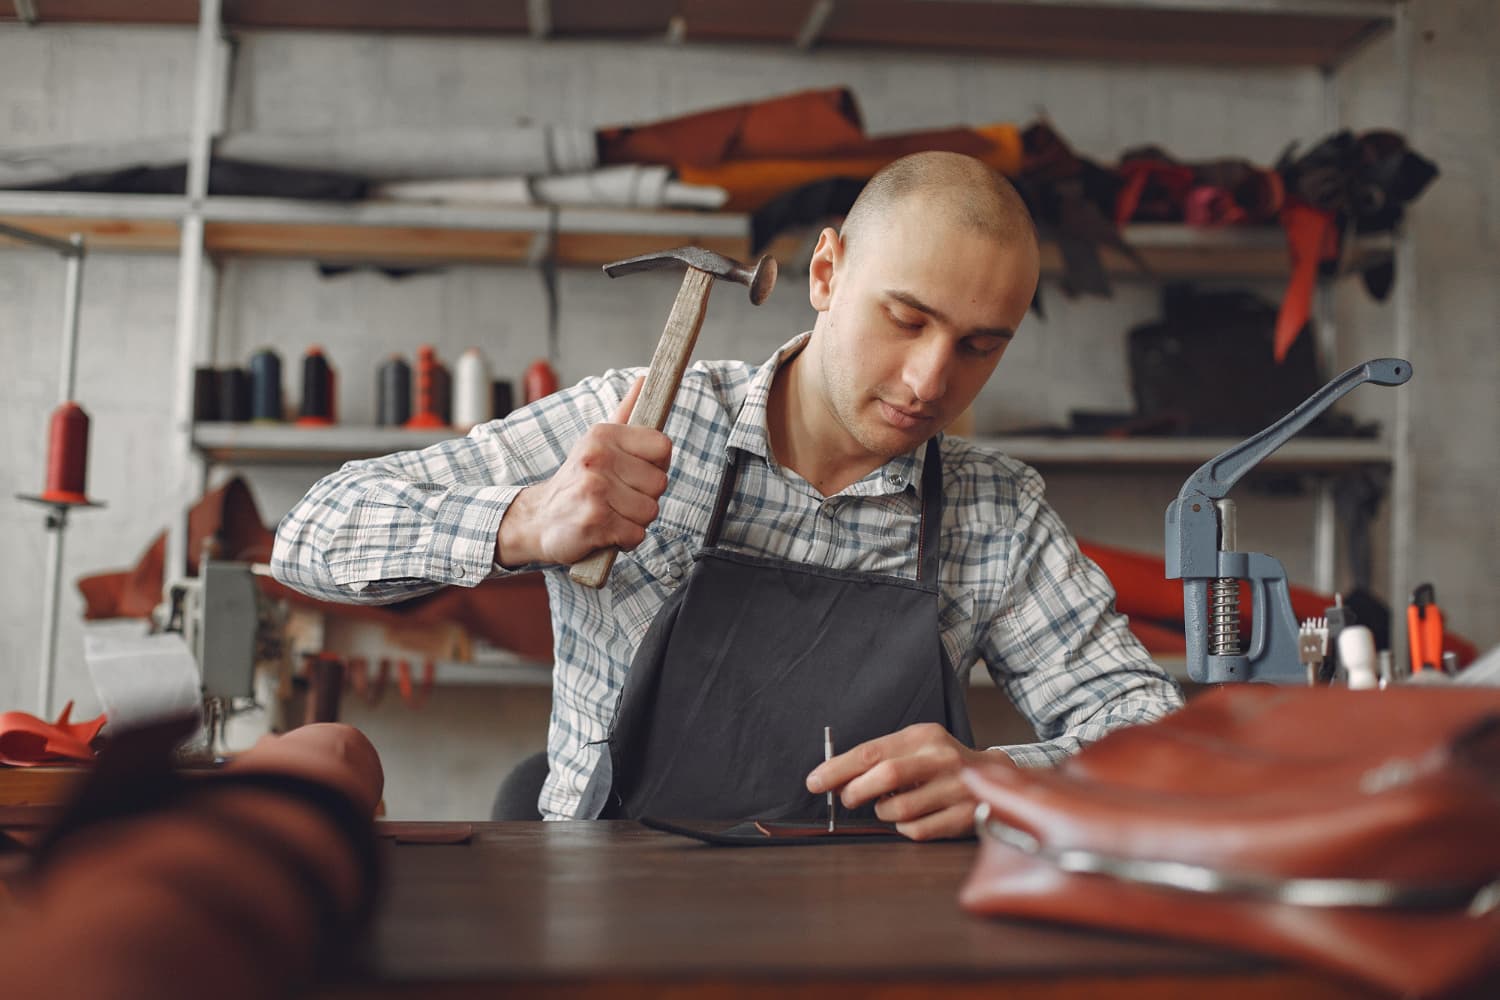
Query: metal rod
{"type": "Point", "coordinates": [188, 472]}
{"type": "Point", "coordinates": [1403, 472]}
{"type": "Point", "coordinates": [539, 18]}
{"type": "Point", "coordinates": [57, 523]}
{"type": "Point", "coordinates": [63, 247]}
{"type": "Point", "coordinates": [817, 16]}
{"type": "Point", "coordinates": [1325, 536]}
{"type": "Point", "coordinates": [72, 295]}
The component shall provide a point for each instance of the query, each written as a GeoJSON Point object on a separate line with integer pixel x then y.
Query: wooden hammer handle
{"type": "Point", "coordinates": [655, 402]}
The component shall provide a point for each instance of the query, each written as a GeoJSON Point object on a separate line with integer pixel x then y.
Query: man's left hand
{"type": "Point", "coordinates": [912, 776]}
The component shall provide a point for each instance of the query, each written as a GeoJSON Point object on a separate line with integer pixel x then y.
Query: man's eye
{"type": "Point", "coordinates": [905, 323]}
{"type": "Point", "coordinates": [981, 348]}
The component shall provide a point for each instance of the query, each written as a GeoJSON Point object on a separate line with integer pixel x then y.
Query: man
{"type": "Point", "coordinates": [803, 547]}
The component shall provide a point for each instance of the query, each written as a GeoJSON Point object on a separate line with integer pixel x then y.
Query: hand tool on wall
{"type": "Point", "coordinates": [675, 346]}
{"type": "Point", "coordinates": [1424, 630]}
{"type": "Point", "coordinates": [1201, 551]}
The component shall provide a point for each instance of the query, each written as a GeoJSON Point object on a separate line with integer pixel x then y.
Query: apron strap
{"type": "Point", "coordinates": [721, 502]}
{"type": "Point", "coordinates": [929, 533]}
{"type": "Point", "coordinates": [932, 513]}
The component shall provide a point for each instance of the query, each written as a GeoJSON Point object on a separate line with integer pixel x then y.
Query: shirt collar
{"type": "Point", "coordinates": [750, 434]}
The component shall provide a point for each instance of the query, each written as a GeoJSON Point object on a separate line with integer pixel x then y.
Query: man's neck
{"type": "Point", "coordinates": [805, 436]}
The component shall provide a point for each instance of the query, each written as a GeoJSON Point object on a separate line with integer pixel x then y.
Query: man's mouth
{"type": "Point", "coordinates": [902, 418]}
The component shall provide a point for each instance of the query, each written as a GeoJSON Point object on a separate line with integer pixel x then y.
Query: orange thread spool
{"type": "Point", "coordinates": [67, 455]}
{"type": "Point", "coordinates": [424, 413]}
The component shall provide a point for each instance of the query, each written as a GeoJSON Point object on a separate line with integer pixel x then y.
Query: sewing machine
{"type": "Point", "coordinates": [1201, 551]}
{"type": "Point", "coordinates": [228, 627]}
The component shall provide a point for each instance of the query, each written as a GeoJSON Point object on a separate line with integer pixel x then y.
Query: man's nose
{"type": "Point", "coordinates": [926, 370]}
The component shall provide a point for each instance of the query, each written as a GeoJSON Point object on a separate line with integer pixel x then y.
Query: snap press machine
{"type": "Point", "coordinates": [1201, 551]}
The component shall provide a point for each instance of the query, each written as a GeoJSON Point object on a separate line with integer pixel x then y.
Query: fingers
{"type": "Point", "coordinates": [955, 821]}
{"type": "Point", "coordinates": [839, 771]}
{"type": "Point", "coordinates": [622, 412]}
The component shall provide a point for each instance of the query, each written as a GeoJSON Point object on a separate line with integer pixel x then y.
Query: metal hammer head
{"type": "Point", "coordinates": [761, 278]}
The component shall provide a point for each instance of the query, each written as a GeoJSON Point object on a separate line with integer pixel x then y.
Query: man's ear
{"type": "Point", "coordinates": [827, 257]}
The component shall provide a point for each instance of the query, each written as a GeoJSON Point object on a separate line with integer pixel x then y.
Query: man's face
{"type": "Point", "coordinates": [914, 321]}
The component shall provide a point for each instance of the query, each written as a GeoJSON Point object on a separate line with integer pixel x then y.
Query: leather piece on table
{"type": "Point", "coordinates": [27, 741]}
{"type": "Point", "coordinates": [510, 612]}
{"type": "Point", "coordinates": [749, 833]}
{"type": "Point", "coordinates": [1280, 783]}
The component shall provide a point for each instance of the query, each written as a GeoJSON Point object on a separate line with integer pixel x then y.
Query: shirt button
{"type": "Point", "coordinates": [674, 571]}
{"type": "Point", "coordinates": [460, 572]}
{"type": "Point", "coordinates": [898, 480]}
{"type": "Point", "coordinates": [827, 510]}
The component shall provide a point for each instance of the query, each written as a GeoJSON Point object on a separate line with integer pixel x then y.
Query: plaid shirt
{"type": "Point", "coordinates": [1014, 590]}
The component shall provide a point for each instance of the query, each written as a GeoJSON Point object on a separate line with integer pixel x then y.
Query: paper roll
{"type": "Point", "coordinates": [141, 678]}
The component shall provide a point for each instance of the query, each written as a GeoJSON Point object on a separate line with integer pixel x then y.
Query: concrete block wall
{"type": "Point", "coordinates": [76, 84]}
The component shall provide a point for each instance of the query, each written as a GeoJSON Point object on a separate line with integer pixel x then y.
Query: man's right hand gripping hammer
{"type": "Point", "coordinates": [660, 389]}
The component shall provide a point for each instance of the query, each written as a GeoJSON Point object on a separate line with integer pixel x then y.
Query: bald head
{"type": "Point", "coordinates": [957, 190]}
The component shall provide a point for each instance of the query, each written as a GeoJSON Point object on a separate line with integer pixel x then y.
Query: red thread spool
{"type": "Point", "coordinates": [67, 455]}
{"type": "Point", "coordinates": [424, 412]}
{"type": "Point", "coordinates": [540, 380]}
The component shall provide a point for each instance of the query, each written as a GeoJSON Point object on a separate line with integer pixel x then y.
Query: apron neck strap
{"type": "Point", "coordinates": [932, 508]}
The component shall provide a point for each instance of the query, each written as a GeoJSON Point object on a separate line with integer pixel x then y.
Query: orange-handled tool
{"type": "Point", "coordinates": [1424, 629]}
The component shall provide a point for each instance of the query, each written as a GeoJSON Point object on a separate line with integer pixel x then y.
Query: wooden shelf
{"type": "Point", "coordinates": [244, 444]}
{"type": "Point", "coordinates": [1306, 453]}
{"type": "Point", "coordinates": [1240, 32]}
{"type": "Point", "coordinates": [406, 234]}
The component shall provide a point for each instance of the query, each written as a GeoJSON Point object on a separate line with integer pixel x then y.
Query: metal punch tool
{"type": "Point", "coordinates": [1201, 551]}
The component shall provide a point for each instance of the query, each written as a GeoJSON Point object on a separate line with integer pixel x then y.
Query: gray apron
{"type": "Point", "coordinates": [722, 713]}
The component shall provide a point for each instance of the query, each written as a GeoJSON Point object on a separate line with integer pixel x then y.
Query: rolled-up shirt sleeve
{"type": "Point", "coordinates": [1058, 647]}
{"type": "Point", "coordinates": [386, 529]}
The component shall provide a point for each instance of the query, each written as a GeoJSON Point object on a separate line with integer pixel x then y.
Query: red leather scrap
{"type": "Point", "coordinates": [27, 741]}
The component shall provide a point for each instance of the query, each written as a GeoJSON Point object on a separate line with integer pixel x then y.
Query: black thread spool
{"type": "Point", "coordinates": [67, 455]}
{"type": "Point", "coordinates": [234, 394]}
{"type": "Point", "coordinates": [442, 393]}
{"type": "Point", "coordinates": [317, 389]}
{"type": "Point", "coordinates": [393, 392]}
{"type": "Point", "coordinates": [502, 398]}
{"type": "Point", "coordinates": [205, 395]}
{"type": "Point", "coordinates": [265, 386]}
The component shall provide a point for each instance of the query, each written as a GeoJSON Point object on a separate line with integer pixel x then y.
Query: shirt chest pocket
{"type": "Point", "coordinates": [643, 578]}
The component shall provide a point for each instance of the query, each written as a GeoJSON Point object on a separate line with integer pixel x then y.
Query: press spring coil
{"type": "Point", "coordinates": [1224, 617]}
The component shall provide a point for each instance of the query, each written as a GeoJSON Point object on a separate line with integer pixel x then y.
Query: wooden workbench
{"type": "Point", "coordinates": [579, 910]}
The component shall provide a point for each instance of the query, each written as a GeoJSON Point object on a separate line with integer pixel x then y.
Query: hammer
{"type": "Point", "coordinates": [674, 348]}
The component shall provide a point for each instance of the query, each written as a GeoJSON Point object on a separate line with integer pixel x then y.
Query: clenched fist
{"type": "Point", "coordinates": [604, 495]}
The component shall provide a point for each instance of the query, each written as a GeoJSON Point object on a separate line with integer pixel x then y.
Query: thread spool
{"type": "Point", "coordinates": [540, 380]}
{"type": "Point", "coordinates": [424, 414]}
{"type": "Point", "coordinates": [502, 398]}
{"type": "Point", "coordinates": [234, 394]}
{"type": "Point", "coordinates": [442, 394]}
{"type": "Point", "coordinates": [205, 395]}
{"type": "Point", "coordinates": [67, 455]}
{"type": "Point", "coordinates": [265, 386]}
{"type": "Point", "coordinates": [472, 403]}
{"type": "Point", "coordinates": [317, 390]}
{"type": "Point", "coordinates": [393, 392]}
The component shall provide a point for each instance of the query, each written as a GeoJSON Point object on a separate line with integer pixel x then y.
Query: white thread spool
{"type": "Point", "coordinates": [1357, 656]}
{"type": "Point", "coordinates": [472, 402]}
